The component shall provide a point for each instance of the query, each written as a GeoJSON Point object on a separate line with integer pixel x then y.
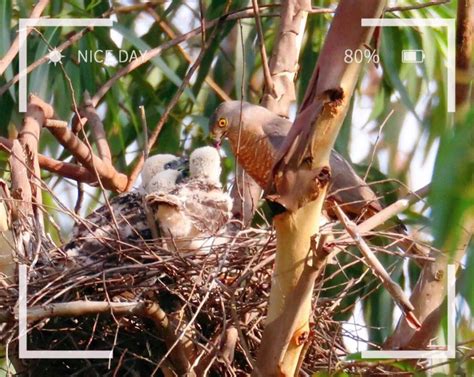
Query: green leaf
{"type": "Point", "coordinates": [452, 193]}
{"type": "Point", "coordinates": [381, 101]}
{"type": "Point", "coordinates": [38, 81]}
{"type": "Point", "coordinates": [391, 51]}
{"type": "Point", "coordinates": [157, 61]}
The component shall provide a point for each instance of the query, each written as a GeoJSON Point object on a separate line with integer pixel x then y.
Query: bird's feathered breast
{"type": "Point", "coordinates": [256, 139]}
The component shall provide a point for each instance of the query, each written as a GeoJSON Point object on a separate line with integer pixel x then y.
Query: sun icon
{"type": "Point", "coordinates": [55, 56]}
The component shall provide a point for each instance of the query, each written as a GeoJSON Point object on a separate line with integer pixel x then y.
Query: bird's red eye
{"type": "Point", "coordinates": [222, 122]}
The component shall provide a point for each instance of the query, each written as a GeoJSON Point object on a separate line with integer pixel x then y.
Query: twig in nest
{"type": "Point", "coordinates": [378, 270]}
{"type": "Point", "coordinates": [387, 213]}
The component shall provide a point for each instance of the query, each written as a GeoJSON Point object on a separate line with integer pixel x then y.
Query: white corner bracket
{"type": "Point", "coordinates": [26, 23]}
{"type": "Point", "coordinates": [24, 353]}
{"type": "Point", "coordinates": [449, 23]}
{"type": "Point", "coordinates": [449, 352]}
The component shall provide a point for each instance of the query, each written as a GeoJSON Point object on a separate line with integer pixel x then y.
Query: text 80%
{"type": "Point", "coordinates": [358, 56]}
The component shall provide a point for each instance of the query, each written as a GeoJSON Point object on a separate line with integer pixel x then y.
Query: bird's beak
{"type": "Point", "coordinates": [215, 140]}
{"type": "Point", "coordinates": [183, 166]}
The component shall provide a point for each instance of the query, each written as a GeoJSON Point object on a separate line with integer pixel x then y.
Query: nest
{"type": "Point", "coordinates": [166, 310]}
{"type": "Point", "coordinates": [161, 312]}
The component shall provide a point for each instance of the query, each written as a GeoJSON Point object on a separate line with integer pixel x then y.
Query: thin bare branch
{"type": "Point", "coordinates": [166, 113]}
{"type": "Point", "coordinates": [61, 168]}
{"type": "Point", "coordinates": [169, 31]}
{"type": "Point", "coordinates": [378, 269]}
{"type": "Point", "coordinates": [263, 53]}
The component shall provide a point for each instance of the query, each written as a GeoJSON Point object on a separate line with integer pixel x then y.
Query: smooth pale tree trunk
{"type": "Point", "coordinates": [300, 182]}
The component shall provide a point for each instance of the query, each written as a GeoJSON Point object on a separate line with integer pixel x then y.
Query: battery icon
{"type": "Point", "coordinates": [413, 56]}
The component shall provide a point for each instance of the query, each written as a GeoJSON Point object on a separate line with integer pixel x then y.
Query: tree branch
{"type": "Point", "coordinates": [464, 43]}
{"type": "Point", "coordinates": [284, 60]}
{"type": "Point", "coordinates": [36, 115]}
{"type": "Point", "coordinates": [261, 41]}
{"type": "Point", "coordinates": [88, 111]}
{"type": "Point", "coordinates": [300, 180]}
{"type": "Point", "coordinates": [21, 189]}
{"type": "Point", "coordinates": [146, 309]}
{"type": "Point", "coordinates": [111, 179]}
{"type": "Point", "coordinates": [378, 269]}
{"type": "Point", "coordinates": [279, 91]}
{"type": "Point", "coordinates": [64, 169]}
{"type": "Point", "coordinates": [14, 47]}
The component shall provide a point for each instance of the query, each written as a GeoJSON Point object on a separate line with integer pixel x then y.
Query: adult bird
{"type": "Point", "coordinates": [123, 220]}
{"type": "Point", "coordinates": [256, 134]}
{"type": "Point", "coordinates": [197, 210]}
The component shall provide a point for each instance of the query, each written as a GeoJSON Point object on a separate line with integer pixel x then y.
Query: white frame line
{"type": "Point", "coordinates": [450, 24]}
{"type": "Point", "coordinates": [450, 352]}
{"type": "Point", "coordinates": [26, 23]}
{"type": "Point", "coordinates": [24, 353]}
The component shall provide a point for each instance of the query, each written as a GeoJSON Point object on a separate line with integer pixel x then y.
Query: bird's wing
{"type": "Point", "coordinates": [259, 142]}
{"type": "Point", "coordinates": [170, 199]}
{"type": "Point", "coordinates": [276, 129]}
{"type": "Point", "coordinates": [349, 189]}
{"type": "Point", "coordinates": [123, 219]}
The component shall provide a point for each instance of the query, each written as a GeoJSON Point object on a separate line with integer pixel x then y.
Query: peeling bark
{"type": "Point", "coordinates": [284, 60]}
